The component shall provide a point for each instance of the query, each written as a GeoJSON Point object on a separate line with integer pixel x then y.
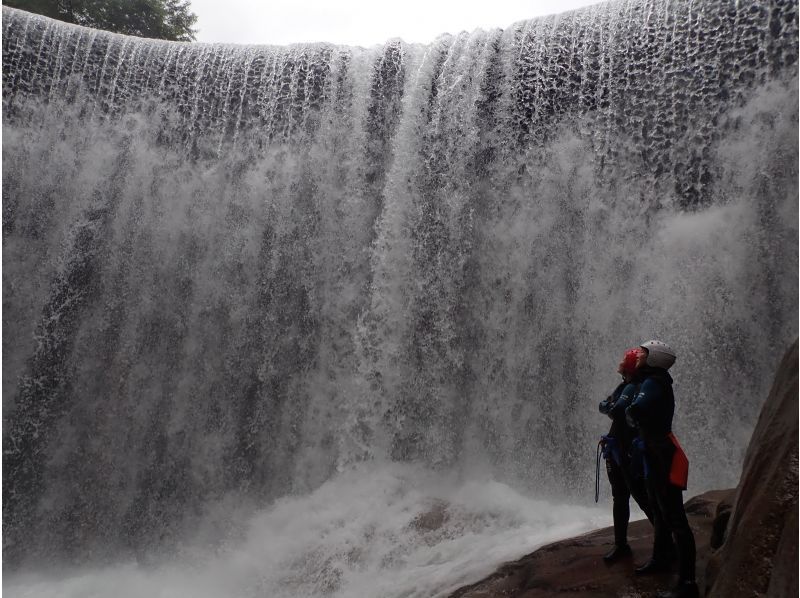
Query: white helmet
{"type": "Point", "coordinates": [659, 354]}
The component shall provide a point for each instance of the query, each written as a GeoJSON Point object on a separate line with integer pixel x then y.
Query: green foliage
{"type": "Point", "coordinates": [161, 19]}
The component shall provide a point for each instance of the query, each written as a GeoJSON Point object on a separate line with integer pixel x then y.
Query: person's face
{"type": "Point", "coordinates": [621, 366]}
{"type": "Point", "coordinates": [642, 358]}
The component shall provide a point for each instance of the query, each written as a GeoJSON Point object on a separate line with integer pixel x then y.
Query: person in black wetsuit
{"type": "Point", "coordinates": [617, 446]}
{"type": "Point", "coordinates": [666, 469]}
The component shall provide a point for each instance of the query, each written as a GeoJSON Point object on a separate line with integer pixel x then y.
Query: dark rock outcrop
{"type": "Point", "coordinates": [759, 554]}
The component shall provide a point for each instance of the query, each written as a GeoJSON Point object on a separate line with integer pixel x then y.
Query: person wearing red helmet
{"type": "Point", "coordinates": [617, 450]}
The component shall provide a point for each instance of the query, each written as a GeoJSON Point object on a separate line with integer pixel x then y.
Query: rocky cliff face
{"type": "Point", "coordinates": [758, 556]}
{"type": "Point", "coordinates": [746, 537]}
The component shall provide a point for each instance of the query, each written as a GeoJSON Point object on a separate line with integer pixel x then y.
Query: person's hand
{"type": "Point", "coordinates": [630, 417]}
{"type": "Point", "coordinates": [607, 404]}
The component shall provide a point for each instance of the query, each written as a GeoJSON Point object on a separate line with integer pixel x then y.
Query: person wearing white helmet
{"type": "Point", "coordinates": [666, 468]}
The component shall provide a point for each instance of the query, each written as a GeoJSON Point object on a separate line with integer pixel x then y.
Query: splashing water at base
{"type": "Point", "coordinates": [377, 531]}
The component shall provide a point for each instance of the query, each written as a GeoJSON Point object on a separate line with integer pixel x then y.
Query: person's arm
{"type": "Point", "coordinates": [643, 405]}
{"type": "Point", "coordinates": [607, 404]}
{"type": "Point", "coordinates": [623, 402]}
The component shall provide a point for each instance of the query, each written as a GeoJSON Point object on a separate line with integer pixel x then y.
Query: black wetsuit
{"type": "Point", "coordinates": [625, 482]}
{"type": "Point", "coordinates": [651, 411]}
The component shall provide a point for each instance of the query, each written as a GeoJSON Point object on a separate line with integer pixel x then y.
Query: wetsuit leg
{"type": "Point", "coordinates": [679, 526]}
{"type": "Point", "coordinates": [639, 493]}
{"type": "Point", "coordinates": [659, 458]}
{"type": "Point", "coordinates": [662, 538]}
{"type": "Point", "coordinates": [621, 495]}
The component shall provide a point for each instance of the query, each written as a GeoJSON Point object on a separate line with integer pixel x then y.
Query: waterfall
{"type": "Point", "coordinates": [233, 272]}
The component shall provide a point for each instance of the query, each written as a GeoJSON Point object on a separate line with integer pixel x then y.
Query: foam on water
{"type": "Point", "coordinates": [376, 531]}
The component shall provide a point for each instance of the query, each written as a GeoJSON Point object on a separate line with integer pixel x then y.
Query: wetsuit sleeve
{"type": "Point", "coordinates": [607, 404]}
{"type": "Point", "coordinates": [623, 402]}
{"type": "Point", "coordinates": [642, 408]}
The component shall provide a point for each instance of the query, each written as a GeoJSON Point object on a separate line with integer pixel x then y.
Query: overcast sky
{"type": "Point", "coordinates": [359, 22]}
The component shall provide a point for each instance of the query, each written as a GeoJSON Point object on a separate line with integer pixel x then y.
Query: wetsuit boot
{"type": "Point", "coordinates": [620, 551]}
{"type": "Point", "coordinates": [653, 567]}
{"type": "Point", "coordinates": [684, 589]}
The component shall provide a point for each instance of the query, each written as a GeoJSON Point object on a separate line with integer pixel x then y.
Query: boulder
{"type": "Point", "coordinates": [758, 555]}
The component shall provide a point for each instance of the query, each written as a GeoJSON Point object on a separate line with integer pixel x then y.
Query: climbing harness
{"type": "Point", "coordinates": [608, 448]}
{"type": "Point", "coordinates": [611, 449]}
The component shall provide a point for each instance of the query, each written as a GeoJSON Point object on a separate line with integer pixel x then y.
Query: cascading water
{"type": "Point", "coordinates": [321, 278]}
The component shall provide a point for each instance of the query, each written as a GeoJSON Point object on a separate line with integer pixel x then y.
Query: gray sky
{"type": "Point", "coordinates": [359, 22]}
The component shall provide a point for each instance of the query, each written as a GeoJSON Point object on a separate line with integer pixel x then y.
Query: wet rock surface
{"type": "Point", "coordinates": [575, 567]}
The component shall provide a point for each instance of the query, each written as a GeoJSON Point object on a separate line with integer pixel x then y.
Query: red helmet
{"type": "Point", "coordinates": [629, 360]}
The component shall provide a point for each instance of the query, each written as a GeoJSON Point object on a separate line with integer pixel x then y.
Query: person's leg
{"type": "Point", "coordinates": [675, 517]}
{"type": "Point", "coordinates": [621, 497]}
{"type": "Point", "coordinates": [621, 512]}
{"type": "Point", "coordinates": [662, 541]}
{"type": "Point", "coordinates": [659, 561]}
{"type": "Point", "coordinates": [682, 532]}
{"type": "Point", "coordinates": [636, 487]}
{"type": "Point", "coordinates": [663, 546]}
